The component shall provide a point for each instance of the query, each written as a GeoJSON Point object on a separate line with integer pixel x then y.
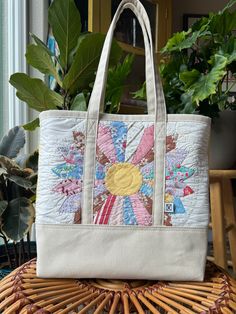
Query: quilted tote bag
{"type": "Point", "coordinates": [123, 196]}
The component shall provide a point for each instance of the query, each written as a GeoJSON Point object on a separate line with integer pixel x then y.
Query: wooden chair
{"type": "Point", "coordinates": [22, 292]}
{"type": "Point", "coordinates": [223, 218]}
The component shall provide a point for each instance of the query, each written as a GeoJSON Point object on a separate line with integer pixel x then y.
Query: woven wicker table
{"type": "Point", "coordinates": [22, 292]}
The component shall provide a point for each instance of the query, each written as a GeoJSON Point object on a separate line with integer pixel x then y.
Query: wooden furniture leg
{"type": "Point", "coordinates": [230, 218]}
{"type": "Point", "coordinates": [218, 224]}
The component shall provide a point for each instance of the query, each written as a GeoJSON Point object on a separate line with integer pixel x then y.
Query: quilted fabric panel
{"type": "Point", "coordinates": [123, 185]}
{"type": "Point", "coordinates": [60, 171]}
{"type": "Point", "coordinates": [187, 175]}
{"type": "Point", "coordinates": [125, 174]}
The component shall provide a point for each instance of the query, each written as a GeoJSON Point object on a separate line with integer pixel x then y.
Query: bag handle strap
{"type": "Point", "coordinates": [156, 106]}
{"type": "Point", "coordinates": [98, 93]}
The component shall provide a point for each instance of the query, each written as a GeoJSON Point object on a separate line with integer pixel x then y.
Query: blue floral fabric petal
{"type": "Point", "coordinates": [179, 173]}
{"type": "Point", "coordinates": [148, 171]}
{"type": "Point", "coordinates": [128, 213]}
{"type": "Point", "coordinates": [100, 171]}
{"type": "Point", "coordinates": [68, 171]}
{"type": "Point", "coordinates": [146, 190]}
{"type": "Point", "coordinates": [178, 205]}
{"type": "Point", "coordinates": [119, 135]}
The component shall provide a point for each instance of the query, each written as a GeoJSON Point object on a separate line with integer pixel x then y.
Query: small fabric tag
{"type": "Point", "coordinates": [169, 207]}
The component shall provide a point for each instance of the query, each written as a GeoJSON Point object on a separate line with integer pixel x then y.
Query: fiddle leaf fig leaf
{"type": "Point", "coordinates": [17, 219]}
{"type": "Point", "coordinates": [84, 66]}
{"type": "Point", "coordinates": [32, 125]}
{"type": "Point", "coordinates": [64, 18]}
{"type": "Point", "coordinates": [39, 58]}
{"type": "Point", "coordinates": [13, 142]}
{"type": "Point", "coordinates": [35, 93]}
{"type": "Point", "coordinates": [3, 206]}
{"type": "Point", "coordinates": [79, 103]}
{"type": "Point", "coordinates": [40, 43]}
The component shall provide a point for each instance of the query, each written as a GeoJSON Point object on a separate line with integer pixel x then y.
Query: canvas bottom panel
{"type": "Point", "coordinates": [88, 251]}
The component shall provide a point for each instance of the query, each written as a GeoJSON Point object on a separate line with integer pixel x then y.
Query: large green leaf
{"type": "Point", "coordinates": [207, 83]}
{"type": "Point", "coordinates": [141, 93]}
{"type": "Point", "coordinates": [79, 103]}
{"type": "Point", "coordinates": [39, 58]}
{"type": "Point", "coordinates": [12, 167]}
{"type": "Point", "coordinates": [32, 161]}
{"type": "Point", "coordinates": [228, 50]}
{"type": "Point", "coordinates": [8, 164]}
{"type": "Point", "coordinates": [222, 23]}
{"type": "Point", "coordinates": [35, 93]}
{"type": "Point", "coordinates": [2, 171]}
{"type": "Point", "coordinates": [116, 82]}
{"type": "Point", "coordinates": [184, 40]}
{"type": "Point", "coordinates": [188, 105]}
{"type": "Point", "coordinates": [229, 5]}
{"type": "Point", "coordinates": [12, 142]}
{"type": "Point", "coordinates": [32, 125]}
{"type": "Point", "coordinates": [18, 218]}
{"type": "Point", "coordinates": [40, 43]}
{"type": "Point", "coordinates": [23, 182]}
{"type": "Point", "coordinates": [64, 19]}
{"type": "Point", "coordinates": [84, 66]}
{"type": "Point", "coordinates": [189, 77]}
{"type": "Point", "coordinates": [3, 206]}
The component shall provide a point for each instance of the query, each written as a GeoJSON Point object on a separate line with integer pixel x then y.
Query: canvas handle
{"type": "Point", "coordinates": [156, 107]}
{"type": "Point", "coordinates": [96, 103]}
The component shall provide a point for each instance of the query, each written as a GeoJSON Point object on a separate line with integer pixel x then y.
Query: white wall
{"type": "Point", "coordinates": [181, 7]}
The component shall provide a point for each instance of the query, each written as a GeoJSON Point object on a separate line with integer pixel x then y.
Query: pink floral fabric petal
{"type": "Point", "coordinates": [105, 142]}
{"type": "Point", "coordinates": [103, 215]}
{"type": "Point", "coordinates": [116, 216]}
{"type": "Point", "coordinates": [145, 145]}
{"type": "Point", "coordinates": [68, 187]}
{"type": "Point", "coordinates": [142, 215]}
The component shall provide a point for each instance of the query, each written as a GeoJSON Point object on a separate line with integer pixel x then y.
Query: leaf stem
{"type": "Point", "coordinates": [15, 254]}
{"type": "Point", "coordinates": [7, 250]}
{"type": "Point", "coordinates": [28, 245]}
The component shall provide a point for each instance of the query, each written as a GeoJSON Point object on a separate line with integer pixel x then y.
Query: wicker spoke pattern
{"type": "Point", "coordinates": [22, 292]}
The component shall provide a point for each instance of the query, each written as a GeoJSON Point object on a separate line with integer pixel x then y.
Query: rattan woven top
{"type": "Point", "coordinates": [22, 292]}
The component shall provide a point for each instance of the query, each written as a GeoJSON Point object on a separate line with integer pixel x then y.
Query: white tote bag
{"type": "Point", "coordinates": [123, 196]}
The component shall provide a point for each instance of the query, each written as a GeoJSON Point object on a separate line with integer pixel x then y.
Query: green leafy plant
{"type": "Point", "coordinates": [197, 63]}
{"type": "Point", "coordinates": [74, 68]}
{"type": "Point", "coordinates": [18, 176]}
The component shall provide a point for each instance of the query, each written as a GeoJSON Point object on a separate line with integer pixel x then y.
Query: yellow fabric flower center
{"type": "Point", "coordinates": [123, 179]}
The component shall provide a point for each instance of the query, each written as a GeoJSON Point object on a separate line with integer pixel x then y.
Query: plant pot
{"type": "Point", "coordinates": [223, 141]}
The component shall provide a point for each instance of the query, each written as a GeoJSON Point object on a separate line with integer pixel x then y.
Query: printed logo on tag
{"type": "Point", "coordinates": [169, 207]}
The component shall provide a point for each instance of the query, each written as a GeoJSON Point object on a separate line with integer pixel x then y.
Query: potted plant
{"type": "Point", "coordinates": [73, 67]}
{"type": "Point", "coordinates": [18, 177]}
{"type": "Point", "coordinates": [195, 69]}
